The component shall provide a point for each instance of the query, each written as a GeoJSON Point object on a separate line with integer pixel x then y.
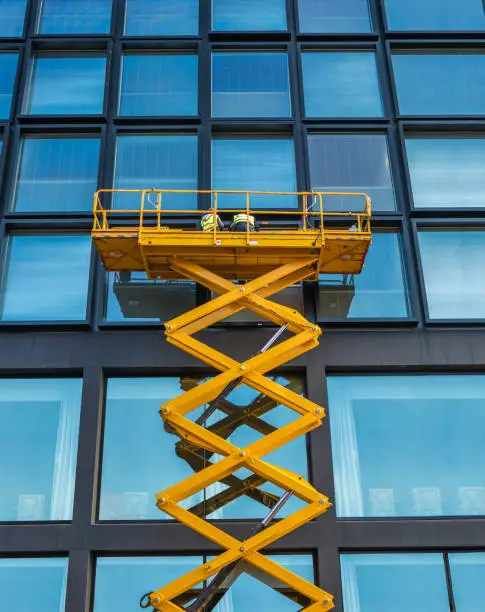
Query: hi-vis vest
{"type": "Point", "coordinates": [243, 218]}
{"type": "Point", "coordinates": [207, 223]}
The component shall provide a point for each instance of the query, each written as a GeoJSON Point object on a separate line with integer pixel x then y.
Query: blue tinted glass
{"type": "Point", "coordinates": [46, 278]}
{"type": "Point", "coordinates": [440, 84]}
{"type": "Point", "coordinates": [254, 164]}
{"type": "Point", "coordinates": [58, 174]}
{"type": "Point", "coordinates": [120, 582]}
{"type": "Point", "coordinates": [67, 86]}
{"type": "Point", "coordinates": [468, 580]}
{"type": "Point", "coordinates": [8, 69]}
{"type": "Point", "coordinates": [381, 582]}
{"type": "Point", "coordinates": [39, 424]}
{"type": "Point", "coordinates": [162, 17]}
{"type": "Point", "coordinates": [38, 583]}
{"type": "Point", "coordinates": [249, 593]}
{"type": "Point", "coordinates": [75, 17]}
{"type": "Point", "coordinates": [355, 163]}
{"type": "Point", "coordinates": [130, 480]}
{"type": "Point", "coordinates": [160, 161]}
{"type": "Point", "coordinates": [334, 16]}
{"type": "Point", "coordinates": [377, 292]}
{"type": "Point", "coordinates": [159, 85]}
{"type": "Point", "coordinates": [381, 471]}
{"type": "Point", "coordinates": [341, 84]}
{"type": "Point", "coordinates": [447, 172]}
{"type": "Point", "coordinates": [250, 85]}
{"type": "Point", "coordinates": [12, 16]}
{"type": "Point", "coordinates": [435, 14]}
{"type": "Point", "coordinates": [133, 297]}
{"type": "Point", "coordinates": [454, 295]}
{"type": "Point", "coordinates": [248, 15]}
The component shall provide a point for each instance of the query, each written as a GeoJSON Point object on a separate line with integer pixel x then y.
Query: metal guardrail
{"type": "Point", "coordinates": [151, 211]}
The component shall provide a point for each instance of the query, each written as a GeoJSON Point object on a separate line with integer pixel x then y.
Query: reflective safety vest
{"type": "Point", "coordinates": [207, 222]}
{"type": "Point", "coordinates": [243, 218]}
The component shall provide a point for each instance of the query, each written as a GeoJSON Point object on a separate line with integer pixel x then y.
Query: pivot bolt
{"type": "Point", "coordinates": [165, 410]}
{"type": "Point", "coordinates": [208, 568]}
{"type": "Point", "coordinates": [315, 328]}
{"type": "Point", "coordinates": [326, 601]}
{"type": "Point", "coordinates": [242, 549]}
{"type": "Point", "coordinates": [242, 289]}
{"type": "Point", "coordinates": [242, 454]}
{"type": "Point", "coordinates": [322, 502]}
{"type": "Point", "coordinates": [169, 327]}
{"type": "Point", "coordinates": [318, 411]}
{"type": "Point", "coordinates": [161, 500]}
{"type": "Point", "coordinates": [242, 367]}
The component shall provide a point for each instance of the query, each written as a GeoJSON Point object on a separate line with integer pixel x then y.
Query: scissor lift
{"type": "Point", "coordinates": [245, 269]}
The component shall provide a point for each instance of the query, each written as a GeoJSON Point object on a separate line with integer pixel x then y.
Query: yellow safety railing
{"type": "Point", "coordinates": [151, 212]}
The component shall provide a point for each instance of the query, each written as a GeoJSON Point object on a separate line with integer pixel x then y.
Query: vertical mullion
{"type": "Point", "coordinates": [449, 582]}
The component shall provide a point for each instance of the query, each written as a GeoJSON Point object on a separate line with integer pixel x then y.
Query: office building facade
{"type": "Point", "coordinates": [385, 97]}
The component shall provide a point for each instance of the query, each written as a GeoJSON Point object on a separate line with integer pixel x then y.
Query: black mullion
{"type": "Point", "coordinates": [449, 582]}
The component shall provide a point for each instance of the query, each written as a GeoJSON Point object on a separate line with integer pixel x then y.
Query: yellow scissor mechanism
{"type": "Point", "coordinates": [270, 260]}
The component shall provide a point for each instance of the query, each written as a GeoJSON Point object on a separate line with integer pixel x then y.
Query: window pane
{"type": "Point", "coordinates": [440, 84]}
{"type": "Point", "coordinates": [252, 15]}
{"type": "Point", "coordinates": [12, 16]}
{"type": "Point", "coordinates": [249, 593]}
{"type": "Point", "coordinates": [120, 581]}
{"type": "Point", "coordinates": [67, 86]}
{"type": "Point", "coordinates": [39, 424]}
{"type": "Point", "coordinates": [159, 85]}
{"type": "Point", "coordinates": [381, 582]}
{"type": "Point", "coordinates": [250, 85]}
{"type": "Point", "coordinates": [57, 174]}
{"type": "Point", "coordinates": [334, 16]}
{"type": "Point", "coordinates": [378, 292]}
{"type": "Point", "coordinates": [455, 294]}
{"type": "Point", "coordinates": [161, 161]}
{"type": "Point", "coordinates": [411, 418]}
{"type": "Point", "coordinates": [46, 278]}
{"type": "Point", "coordinates": [435, 14]}
{"type": "Point", "coordinates": [447, 172]}
{"type": "Point", "coordinates": [468, 580]}
{"type": "Point", "coordinates": [331, 81]}
{"type": "Point", "coordinates": [130, 480]}
{"type": "Point", "coordinates": [133, 297]}
{"type": "Point", "coordinates": [75, 17]}
{"type": "Point", "coordinates": [254, 164]}
{"type": "Point", "coordinates": [8, 69]}
{"type": "Point", "coordinates": [162, 17]}
{"type": "Point", "coordinates": [352, 162]}
{"type": "Point", "coordinates": [40, 584]}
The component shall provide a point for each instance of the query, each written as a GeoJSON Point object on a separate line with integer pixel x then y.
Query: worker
{"type": "Point", "coordinates": [207, 221]}
{"type": "Point", "coordinates": [240, 223]}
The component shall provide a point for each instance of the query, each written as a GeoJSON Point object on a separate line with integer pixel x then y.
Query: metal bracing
{"type": "Point", "coordinates": [252, 372]}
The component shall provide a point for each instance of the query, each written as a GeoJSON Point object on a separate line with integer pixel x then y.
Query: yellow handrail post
{"type": "Point", "coordinates": [142, 210]}
{"type": "Point", "coordinates": [247, 218]}
{"type": "Point", "coordinates": [321, 215]}
{"type": "Point", "coordinates": [215, 218]}
{"type": "Point", "coordinates": [305, 211]}
{"type": "Point", "coordinates": [159, 209]}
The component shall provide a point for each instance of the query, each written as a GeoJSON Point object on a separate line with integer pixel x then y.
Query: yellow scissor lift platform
{"type": "Point", "coordinates": [287, 248]}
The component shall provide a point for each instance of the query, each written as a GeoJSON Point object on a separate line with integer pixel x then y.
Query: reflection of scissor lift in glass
{"type": "Point", "coordinates": [267, 261]}
{"type": "Point", "coordinates": [336, 295]}
{"type": "Point", "coordinates": [235, 416]}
